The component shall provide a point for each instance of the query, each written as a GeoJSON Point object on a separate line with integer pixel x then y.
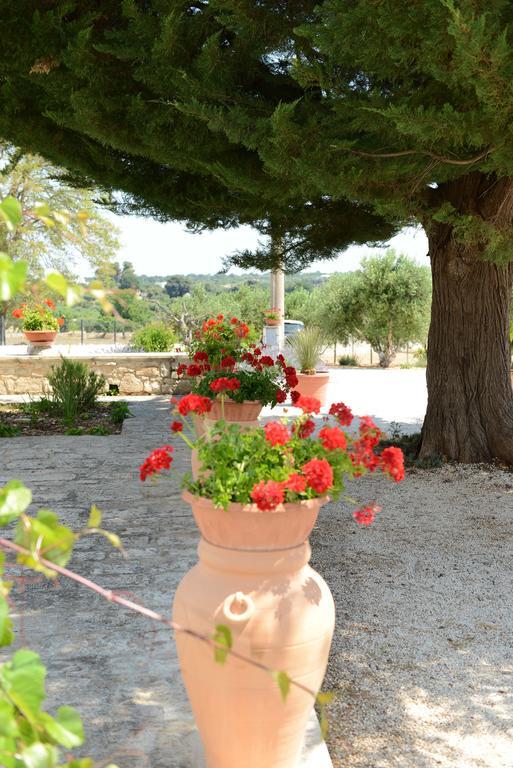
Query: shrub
{"type": "Point", "coordinates": [7, 430]}
{"type": "Point", "coordinates": [119, 412]}
{"type": "Point", "coordinates": [75, 389]}
{"type": "Point", "coordinates": [154, 338]}
{"type": "Point", "coordinates": [421, 357]}
{"type": "Point", "coordinates": [348, 360]}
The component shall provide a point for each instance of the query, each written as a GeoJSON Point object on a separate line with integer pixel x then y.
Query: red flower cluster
{"type": "Point", "coordinates": [267, 361]}
{"type": "Point", "coordinates": [366, 515]}
{"type": "Point", "coordinates": [201, 357]}
{"type": "Point", "coordinates": [319, 474]}
{"type": "Point", "coordinates": [333, 438]}
{"type": "Point", "coordinates": [392, 462]}
{"type": "Point", "coordinates": [276, 433]}
{"type": "Point", "coordinates": [17, 313]}
{"type": "Point", "coordinates": [158, 460]}
{"type": "Point", "coordinates": [290, 376]}
{"type": "Point", "coordinates": [294, 396]}
{"type": "Point", "coordinates": [194, 370]}
{"type": "Point", "coordinates": [308, 404]}
{"type": "Point", "coordinates": [267, 495]}
{"type": "Point", "coordinates": [228, 362]}
{"type": "Point", "coordinates": [223, 384]}
{"type": "Point", "coordinates": [305, 429]}
{"type": "Point", "coordinates": [176, 426]}
{"type": "Point", "coordinates": [49, 303]}
{"type": "Point", "coordinates": [342, 413]}
{"type": "Point", "coordinates": [281, 396]}
{"type": "Point", "coordinates": [194, 403]}
{"type": "Point", "coordinates": [295, 483]}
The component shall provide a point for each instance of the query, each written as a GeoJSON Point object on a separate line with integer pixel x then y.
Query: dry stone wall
{"type": "Point", "coordinates": [135, 373]}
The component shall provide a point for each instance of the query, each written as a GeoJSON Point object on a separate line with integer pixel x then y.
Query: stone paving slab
{"type": "Point", "coordinates": [119, 670]}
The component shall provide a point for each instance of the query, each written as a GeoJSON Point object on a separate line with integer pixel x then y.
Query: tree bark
{"type": "Point", "coordinates": [469, 415]}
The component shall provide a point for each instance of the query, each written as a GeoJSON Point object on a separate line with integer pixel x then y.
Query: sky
{"type": "Point", "coordinates": [163, 249]}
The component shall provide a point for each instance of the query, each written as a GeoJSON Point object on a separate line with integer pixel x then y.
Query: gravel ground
{"type": "Point", "coordinates": [422, 662]}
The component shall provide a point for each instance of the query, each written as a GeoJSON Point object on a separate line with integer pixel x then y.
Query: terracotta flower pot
{"type": "Point", "coordinates": [253, 576]}
{"type": "Point", "coordinates": [272, 321]}
{"type": "Point", "coordinates": [249, 410]}
{"type": "Point", "coordinates": [41, 337]}
{"type": "Point", "coordinates": [314, 385]}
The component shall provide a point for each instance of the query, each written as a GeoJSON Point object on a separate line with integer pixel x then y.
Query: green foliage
{"type": "Point", "coordinates": [39, 319]}
{"type": "Point", "coordinates": [8, 430]}
{"type": "Point", "coordinates": [410, 444]}
{"type": "Point", "coordinates": [12, 276]}
{"type": "Point", "coordinates": [307, 346]}
{"type": "Point", "coordinates": [29, 736]}
{"type": "Point", "coordinates": [348, 360]}
{"type": "Point", "coordinates": [154, 338]}
{"type": "Point", "coordinates": [386, 303]}
{"type": "Point", "coordinates": [74, 226]}
{"type": "Point", "coordinates": [119, 411]}
{"type": "Point", "coordinates": [222, 637]}
{"type": "Point", "coordinates": [74, 389]}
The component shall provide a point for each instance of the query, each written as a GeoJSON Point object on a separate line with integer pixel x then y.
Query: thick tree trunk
{"type": "Point", "coordinates": [470, 398]}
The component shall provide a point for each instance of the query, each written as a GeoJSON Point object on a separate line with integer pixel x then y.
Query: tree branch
{"type": "Point", "coordinates": [425, 152]}
{"type": "Point", "coordinates": [112, 597]}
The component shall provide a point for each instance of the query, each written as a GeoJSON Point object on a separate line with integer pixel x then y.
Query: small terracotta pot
{"type": "Point", "coordinates": [280, 613]}
{"type": "Point", "coordinates": [270, 321]}
{"type": "Point", "coordinates": [41, 337]}
{"type": "Point", "coordinates": [314, 385]}
{"type": "Point", "coordinates": [249, 410]}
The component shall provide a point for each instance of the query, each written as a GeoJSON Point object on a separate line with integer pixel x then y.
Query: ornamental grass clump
{"type": "Point", "coordinates": [284, 461]}
{"type": "Point", "coordinates": [39, 317]}
{"type": "Point", "coordinates": [307, 346]}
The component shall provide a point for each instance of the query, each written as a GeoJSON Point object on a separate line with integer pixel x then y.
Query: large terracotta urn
{"type": "Point", "coordinates": [253, 577]}
{"type": "Point", "coordinates": [314, 385]}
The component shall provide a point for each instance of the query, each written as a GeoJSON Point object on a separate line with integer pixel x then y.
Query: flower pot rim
{"type": "Point", "coordinates": [252, 508]}
{"type": "Point", "coordinates": [42, 330]}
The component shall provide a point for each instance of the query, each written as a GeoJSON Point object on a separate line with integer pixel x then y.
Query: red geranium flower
{"type": "Point", "coordinates": [276, 433]}
{"type": "Point", "coordinates": [366, 515]}
{"type": "Point", "coordinates": [342, 413]}
{"type": "Point", "coordinates": [319, 474]}
{"type": "Point", "coordinates": [194, 370]}
{"type": "Point", "coordinates": [223, 384]}
{"type": "Point", "coordinates": [60, 321]}
{"type": "Point", "coordinates": [194, 403]}
{"type": "Point", "coordinates": [281, 396]}
{"type": "Point", "coordinates": [49, 303]}
{"type": "Point", "coordinates": [305, 429]}
{"type": "Point", "coordinates": [17, 313]}
{"type": "Point", "coordinates": [228, 362]}
{"type": "Point", "coordinates": [267, 495]}
{"type": "Point", "coordinates": [333, 438]}
{"type": "Point", "coordinates": [294, 396]}
{"type": "Point", "coordinates": [158, 460]}
{"type": "Point", "coordinates": [267, 361]}
{"type": "Point", "coordinates": [177, 426]}
{"type": "Point", "coordinates": [392, 462]}
{"type": "Point", "coordinates": [181, 369]}
{"type": "Point", "coordinates": [200, 357]}
{"type": "Point", "coordinates": [308, 404]}
{"type": "Point", "coordinates": [295, 483]}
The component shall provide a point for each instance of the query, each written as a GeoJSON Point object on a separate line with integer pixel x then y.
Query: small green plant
{"type": "Point", "coordinates": [75, 431]}
{"type": "Point", "coordinates": [119, 412]}
{"type": "Point", "coordinates": [407, 366]}
{"type": "Point", "coordinates": [420, 357]}
{"type": "Point", "coordinates": [8, 430]}
{"type": "Point", "coordinates": [75, 389]}
{"type": "Point", "coordinates": [154, 338]}
{"type": "Point", "coordinates": [348, 360]}
{"type": "Point", "coordinates": [98, 431]}
{"type": "Point", "coordinates": [308, 345]}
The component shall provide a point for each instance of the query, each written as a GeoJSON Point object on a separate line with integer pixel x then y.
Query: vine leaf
{"type": "Point", "coordinates": [223, 639]}
{"type": "Point", "coordinates": [283, 681]}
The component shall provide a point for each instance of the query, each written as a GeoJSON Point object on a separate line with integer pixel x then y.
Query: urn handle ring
{"type": "Point", "coordinates": [238, 607]}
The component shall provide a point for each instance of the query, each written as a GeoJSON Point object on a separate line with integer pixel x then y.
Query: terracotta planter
{"type": "Point", "coordinates": [253, 576]}
{"type": "Point", "coordinates": [41, 337]}
{"type": "Point", "coordinates": [275, 322]}
{"type": "Point", "coordinates": [249, 410]}
{"type": "Point", "coordinates": [314, 385]}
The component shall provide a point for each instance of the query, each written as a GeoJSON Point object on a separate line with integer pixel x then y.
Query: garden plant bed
{"type": "Point", "coordinates": [25, 419]}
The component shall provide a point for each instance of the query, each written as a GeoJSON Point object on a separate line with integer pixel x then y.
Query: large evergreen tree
{"type": "Point", "coordinates": [225, 111]}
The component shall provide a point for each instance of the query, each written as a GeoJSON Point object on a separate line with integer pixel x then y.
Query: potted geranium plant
{"type": "Point", "coordinates": [41, 322]}
{"type": "Point", "coordinates": [255, 500]}
{"type": "Point", "coordinates": [308, 346]}
{"type": "Point", "coordinates": [221, 339]}
{"type": "Point", "coordinates": [246, 385]}
{"type": "Point", "coordinates": [272, 316]}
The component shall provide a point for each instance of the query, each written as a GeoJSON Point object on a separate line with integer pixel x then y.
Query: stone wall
{"type": "Point", "coordinates": [135, 373]}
